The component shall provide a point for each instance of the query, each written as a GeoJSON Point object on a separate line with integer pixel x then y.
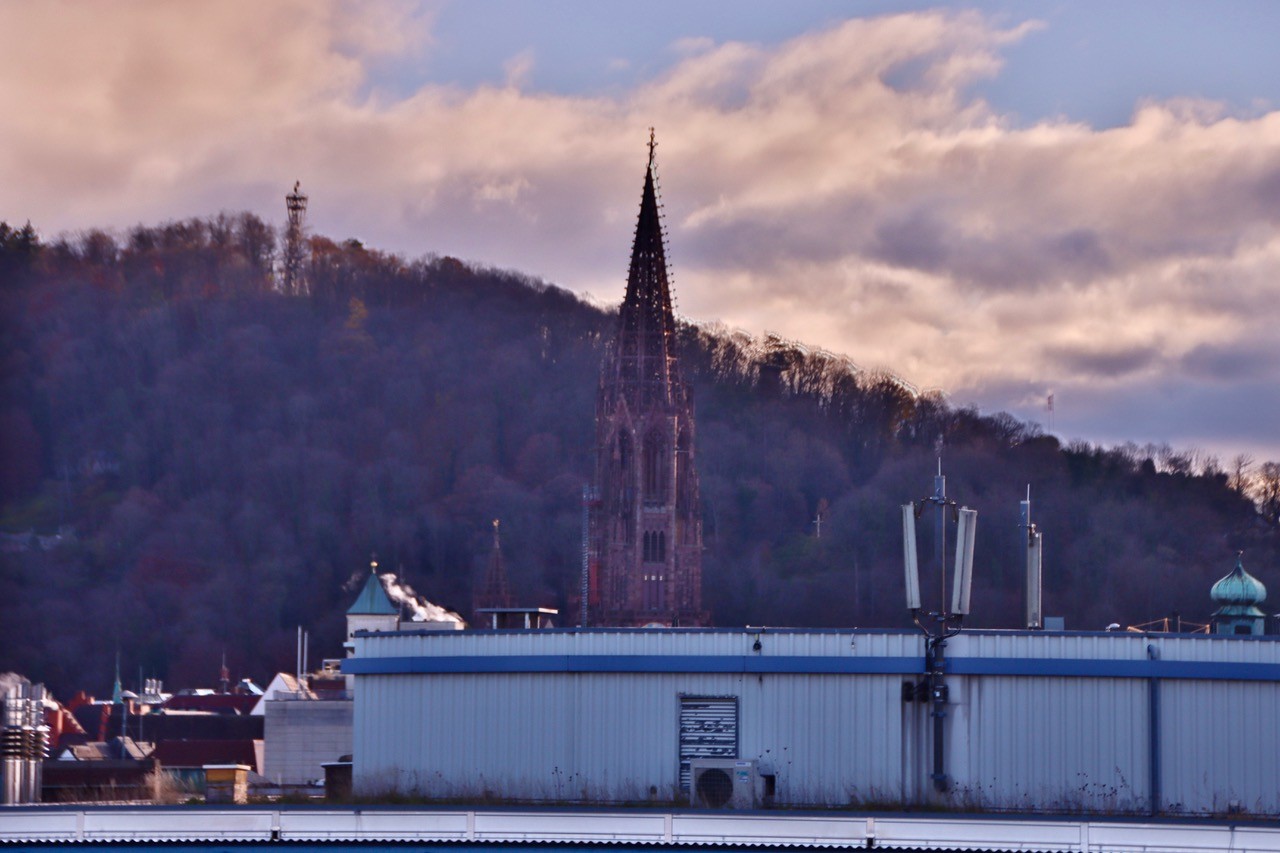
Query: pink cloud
{"type": "Point", "coordinates": [841, 188]}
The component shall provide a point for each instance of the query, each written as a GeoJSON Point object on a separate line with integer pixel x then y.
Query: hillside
{"type": "Point", "coordinates": [193, 462]}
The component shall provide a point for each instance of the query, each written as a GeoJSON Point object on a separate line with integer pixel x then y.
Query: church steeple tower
{"type": "Point", "coordinates": [645, 369]}
{"type": "Point", "coordinates": [646, 530]}
{"type": "Point", "coordinates": [495, 591]}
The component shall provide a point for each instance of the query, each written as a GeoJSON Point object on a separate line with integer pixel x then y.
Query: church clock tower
{"type": "Point", "coordinates": [646, 529]}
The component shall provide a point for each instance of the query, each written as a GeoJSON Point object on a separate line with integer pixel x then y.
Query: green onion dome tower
{"type": "Point", "coordinates": [1238, 596]}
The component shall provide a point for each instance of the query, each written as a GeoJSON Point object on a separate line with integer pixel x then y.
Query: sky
{"type": "Point", "coordinates": [998, 200]}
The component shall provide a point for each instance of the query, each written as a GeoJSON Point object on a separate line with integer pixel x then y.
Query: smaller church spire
{"type": "Point", "coordinates": [495, 591]}
{"type": "Point", "coordinates": [117, 690]}
{"type": "Point", "coordinates": [373, 599]}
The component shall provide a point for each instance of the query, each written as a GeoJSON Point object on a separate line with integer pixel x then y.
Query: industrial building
{"type": "Point", "coordinates": [1033, 720]}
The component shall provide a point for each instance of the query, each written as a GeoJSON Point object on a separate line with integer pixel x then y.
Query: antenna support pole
{"type": "Point", "coordinates": [940, 625]}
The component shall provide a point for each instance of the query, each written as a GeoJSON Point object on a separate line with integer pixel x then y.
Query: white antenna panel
{"type": "Point", "coordinates": [1035, 555]}
{"type": "Point", "coordinates": [909, 553]}
{"type": "Point", "coordinates": [963, 579]}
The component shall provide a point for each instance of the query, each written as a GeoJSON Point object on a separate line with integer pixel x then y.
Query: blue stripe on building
{"type": "Point", "coordinates": [808, 665]}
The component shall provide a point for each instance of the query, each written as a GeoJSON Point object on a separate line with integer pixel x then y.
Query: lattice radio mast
{"type": "Point", "coordinates": [295, 279]}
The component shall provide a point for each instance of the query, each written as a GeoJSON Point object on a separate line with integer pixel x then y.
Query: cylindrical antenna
{"type": "Point", "coordinates": [1035, 555]}
{"type": "Point", "coordinates": [1033, 584]}
{"type": "Point", "coordinates": [963, 580]}
{"type": "Point", "coordinates": [909, 552]}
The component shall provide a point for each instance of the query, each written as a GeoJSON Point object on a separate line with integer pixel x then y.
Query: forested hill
{"type": "Point", "coordinates": [193, 462]}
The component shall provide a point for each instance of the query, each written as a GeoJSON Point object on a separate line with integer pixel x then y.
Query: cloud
{"type": "Point", "coordinates": [517, 69]}
{"type": "Point", "coordinates": [1249, 361]}
{"type": "Point", "coordinates": [1103, 364]}
{"type": "Point", "coordinates": [844, 187]}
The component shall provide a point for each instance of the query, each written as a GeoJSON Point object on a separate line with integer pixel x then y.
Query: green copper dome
{"type": "Point", "coordinates": [1239, 592]}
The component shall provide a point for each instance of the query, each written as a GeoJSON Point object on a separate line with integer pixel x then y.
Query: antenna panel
{"type": "Point", "coordinates": [1035, 554]}
{"type": "Point", "coordinates": [909, 555]}
{"type": "Point", "coordinates": [963, 578]}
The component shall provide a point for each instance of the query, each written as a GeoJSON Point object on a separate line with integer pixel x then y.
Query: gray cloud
{"type": "Point", "coordinates": [1102, 362]}
{"type": "Point", "coordinates": [1233, 362]}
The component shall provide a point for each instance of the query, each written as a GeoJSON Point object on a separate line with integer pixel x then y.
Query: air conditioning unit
{"type": "Point", "coordinates": [723, 783]}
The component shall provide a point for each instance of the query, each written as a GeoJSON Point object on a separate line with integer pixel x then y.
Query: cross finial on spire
{"type": "Point", "coordinates": [653, 144]}
{"type": "Point", "coordinates": [373, 563]}
{"type": "Point", "coordinates": [495, 532]}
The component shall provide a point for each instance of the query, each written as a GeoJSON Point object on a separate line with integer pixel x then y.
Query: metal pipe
{"type": "Point", "coordinates": [1153, 725]}
{"type": "Point", "coordinates": [938, 694]}
{"type": "Point", "coordinates": [585, 582]}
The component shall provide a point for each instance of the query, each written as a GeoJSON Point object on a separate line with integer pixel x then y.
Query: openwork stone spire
{"type": "Point", "coordinates": [645, 369]}
{"type": "Point", "coordinates": [646, 542]}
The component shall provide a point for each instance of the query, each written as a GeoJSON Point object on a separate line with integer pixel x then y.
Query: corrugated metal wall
{"type": "Point", "coordinates": [774, 642]}
{"type": "Point", "coordinates": [615, 736]}
{"type": "Point", "coordinates": [1221, 746]}
{"type": "Point", "coordinates": [1113, 646]}
{"type": "Point", "coordinates": [1013, 741]}
{"type": "Point", "coordinates": [302, 735]}
{"type": "Point", "coordinates": [1050, 744]}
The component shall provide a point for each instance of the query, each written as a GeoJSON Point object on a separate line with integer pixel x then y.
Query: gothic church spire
{"type": "Point", "coordinates": [645, 369]}
{"type": "Point", "coordinates": [646, 532]}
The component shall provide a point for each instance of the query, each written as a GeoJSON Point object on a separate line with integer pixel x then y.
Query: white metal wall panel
{"type": "Point", "coordinates": [609, 736]}
{"type": "Point", "coordinates": [773, 643]}
{"type": "Point", "coordinates": [1113, 646]}
{"type": "Point", "coordinates": [783, 642]}
{"type": "Point", "coordinates": [302, 735]}
{"type": "Point", "coordinates": [1049, 744]}
{"type": "Point", "coordinates": [1221, 746]}
{"type": "Point", "coordinates": [832, 740]}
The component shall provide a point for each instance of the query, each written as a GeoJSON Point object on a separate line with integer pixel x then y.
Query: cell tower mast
{"type": "Point", "coordinates": [942, 624]}
{"type": "Point", "coordinates": [295, 281]}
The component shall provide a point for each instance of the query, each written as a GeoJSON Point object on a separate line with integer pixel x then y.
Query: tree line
{"type": "Point", "coordinates": [193, 462]}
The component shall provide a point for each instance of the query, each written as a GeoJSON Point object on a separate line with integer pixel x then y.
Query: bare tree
{"type": "Point", "coordinates": [1241, 465]}
{"type": "Point", "coordinates": [1267, 491]}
